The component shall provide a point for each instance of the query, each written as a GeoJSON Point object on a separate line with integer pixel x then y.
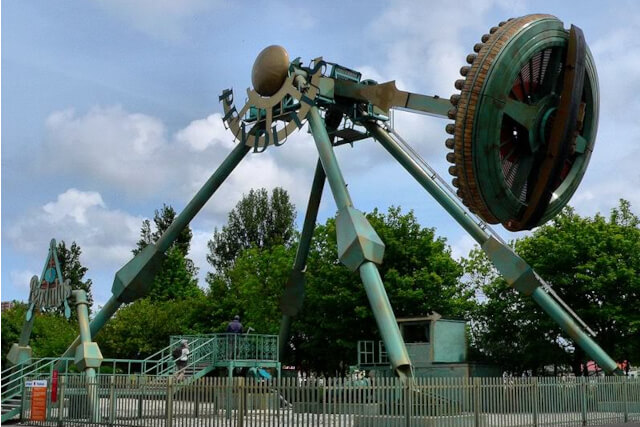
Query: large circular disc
{"type": "Point", "coordinates": [505, 116]}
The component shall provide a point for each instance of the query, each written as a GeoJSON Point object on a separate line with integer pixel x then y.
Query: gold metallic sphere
{"type": "Point", "coordinates": [270, 70]}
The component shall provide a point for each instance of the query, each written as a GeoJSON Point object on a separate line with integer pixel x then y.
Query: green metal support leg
{"type": "Point", "coordinates": [294, 289]}
{"type": "Point", "coordinates": [88, 356]}
{"type": "Point", "coordinates": [513, 268]}
{"type": "Point", "coordinates": [133, 280]}
{"type": "Point", "coordinates": [20, 352]}
{"type": "Point", "coordinates": [359, 248]}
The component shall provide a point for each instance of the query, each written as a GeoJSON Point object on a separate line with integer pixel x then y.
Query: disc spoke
{"type": "Point", "coordinates": [553, 72]}
{"type": "Point", "coordinates": [524, 114]}
{"type": "Point", "coordinates": [522, 177]}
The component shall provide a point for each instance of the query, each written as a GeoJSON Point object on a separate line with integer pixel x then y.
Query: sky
{"type": "Point", "coordinates": [110, 109]}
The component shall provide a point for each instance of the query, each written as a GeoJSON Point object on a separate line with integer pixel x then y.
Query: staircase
{"type": "Point", "coordinates": [13, 381]}
{"type": "Point", "coordinates": [206, 352]}
{"type": "Point", "coordinates": [10, 408]}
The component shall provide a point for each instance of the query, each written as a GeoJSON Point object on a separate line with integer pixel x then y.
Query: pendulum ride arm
{"type": "Point", "coordinates": [513, 268]}
{"type": "Point", "coordinates": [134, 279]}
{"type": "Point", "coordinates": [387, 95]}
{"type": "Point", "coordinates": [360, 248]}
{"type": "Point", "coordinates": [294, 289]}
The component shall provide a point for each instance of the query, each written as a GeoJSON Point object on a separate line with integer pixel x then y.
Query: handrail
{"type": "Point", "coordinates": [161, 363]}
{"type": "Point", "coordinates": [159, 352]}
{"type": "Point", "coordinates": [12, 377]}
{"type": "Point", "coordinates": [13, 384]}
{"type": "Point", "coordinates": [192, 354]}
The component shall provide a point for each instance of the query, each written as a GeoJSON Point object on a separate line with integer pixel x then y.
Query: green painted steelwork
{"type": "Point", "coordinates": [207, 352]}
{"type": "Point", "coordinates": [50, 291]}
{"type": "Point", "coordinates": [386, 95]}
{"type": "Point", "coordinates": [427, 182]}
{"type": "Point", "coordinates": [88, 356]}
{"type": "Point", "coordinates": [369, 244]}
{"type": "Point", "coordinates": [293, 295]}
{"type": "Point", "coordinates": [349, 104]}
{"type": "Point", "coordinates": [514, 87]}
{"type": "Point", "coordinates": [448, 341]}
{"type": "Point", "coordinates": [514, 269]}
{"type": "Point", "coordinates": [134, 279]}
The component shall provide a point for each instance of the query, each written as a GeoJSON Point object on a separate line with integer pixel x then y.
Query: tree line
{"type": "Point", "coordinates": [592, 262]}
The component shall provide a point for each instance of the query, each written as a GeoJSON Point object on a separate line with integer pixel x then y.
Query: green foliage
{"type": "Point", "coordinates": [418, 272]}
{"type": "Point", "coordinates": [50, 336]}
{"type": "Point", "coordinates": [508, 329]}
{"type": "Point", "coordinates": [253, 287]}
{"type": "Point", "coordinates": [593, 264]}
{"type": "Point", "coordinates": [256, 221]}
{"type": "Point", "coordinates": [72, 269]}
{"type": "Point", "coordinates": [162, 219]}
{"type": "Point", "coordinates": [178, 276]}
{"type": "Point", "coordinates": [143, 327]}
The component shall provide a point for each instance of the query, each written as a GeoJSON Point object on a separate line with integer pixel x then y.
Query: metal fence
{"type": "Point", "coordinates": [160, 401]}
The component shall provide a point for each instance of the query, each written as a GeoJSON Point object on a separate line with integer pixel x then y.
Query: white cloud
{"type": "Point", "coordinates": [73, 203]}
{"type": "Point", "coordinates": [462, 246]}
{"type": "Point", "coordinates": [198, 252]}
{"type": "Point", "coordinates": [164, 19]}
{"type": "Point", "coordinates": [129, 153]}
{"type": "Point", "coordinates": [423, 45]}
{"type": "Point", "coordinates": [21, 279]}
{"type": "Point", "coordinates": [204, 133]}
{"type": "Point", "coordinates": [106, 236]}
{"type": "Point", "coordinates": [107, 145]}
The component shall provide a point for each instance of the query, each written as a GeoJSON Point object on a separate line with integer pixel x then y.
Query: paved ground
{"type": "Point", "coordinates": [634, 424]}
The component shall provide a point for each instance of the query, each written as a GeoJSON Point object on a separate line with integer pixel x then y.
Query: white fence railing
{"type": "Point", "coordinates": [154, 401]}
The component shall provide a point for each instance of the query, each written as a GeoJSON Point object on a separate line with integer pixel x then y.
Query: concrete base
{"type": "Point", "coordinates": [401, 421]}
{"type": "Point", "coordinates": [364, 409]}
{"type": "Point", "coordinates": [19, 354]}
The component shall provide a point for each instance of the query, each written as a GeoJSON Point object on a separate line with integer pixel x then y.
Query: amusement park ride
{"type": "Point", "coordinates": [522, 123]}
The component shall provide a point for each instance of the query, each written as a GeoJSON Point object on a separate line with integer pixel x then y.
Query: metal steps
{"type": "Point", "coordinates": [10, 408]}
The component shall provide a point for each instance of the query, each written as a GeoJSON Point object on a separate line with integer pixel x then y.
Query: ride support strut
{"type": "Point", "coordinates": [359, 248]}
{"type": "Point", "coordinates": [514, 269]}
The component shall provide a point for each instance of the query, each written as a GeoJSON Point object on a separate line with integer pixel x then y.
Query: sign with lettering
{"type": "Point", "coordinates": [50, 291]}
{"type": "Point", "coordinates": [35, 383]}
{"type": "Point", "coordinates": [39, 402]}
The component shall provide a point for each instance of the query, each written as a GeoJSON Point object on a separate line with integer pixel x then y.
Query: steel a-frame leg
{"type": "Point", "coordinates": [134, 279]}
{"type": "Point", "coordinates": [514, 269]}
{"type": "Point", "coordinates": [88, 356]}
{"type": "Point", "coordinates": [293, 297]}
{"type": "Point", "coordinates": [360, 249]}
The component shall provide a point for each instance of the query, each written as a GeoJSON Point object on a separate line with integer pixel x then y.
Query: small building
{"type": "Point", "coordinates": [7, 305]}
{"type": "Point", "coordinates": [437, 347]}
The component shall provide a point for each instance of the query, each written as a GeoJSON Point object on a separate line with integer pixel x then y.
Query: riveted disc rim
{"type": "Point", "coordinates": [479, 118]}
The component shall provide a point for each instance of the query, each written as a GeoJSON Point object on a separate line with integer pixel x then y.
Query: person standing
{"type": "Point", "coordinates": [235, 327]}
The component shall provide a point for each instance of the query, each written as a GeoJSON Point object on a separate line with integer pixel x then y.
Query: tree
{"type": "Point", "coordinates": [256, 221]}
{"type": "Point", "coordinates": [177, 277]}
{"type": "Point", "coordinates": [140, 329]}
{"type": "Point", "coordinates": [253, 287]}
{"type": "Point", "coordinates": [418, 273]}
{"type": "Point", "coordinates": [73, 270]}
{"type": "Point", "coordinates": [509, 329]}
{"type": "Point", "coordinates": [162, 219]}
{"type": "Point", "coordinates": [594, 265]}
{"type": "Point", "coordinates": [50, 336]}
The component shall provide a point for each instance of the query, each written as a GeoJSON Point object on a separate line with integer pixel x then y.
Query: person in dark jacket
{"type": "Point", "coordinates": [234, 330]}
{"type": "Point", "coordinates": [235, 327]}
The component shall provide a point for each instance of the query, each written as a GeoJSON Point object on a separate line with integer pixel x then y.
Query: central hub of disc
{"type": "Point", "coordinates": [270, 70]}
